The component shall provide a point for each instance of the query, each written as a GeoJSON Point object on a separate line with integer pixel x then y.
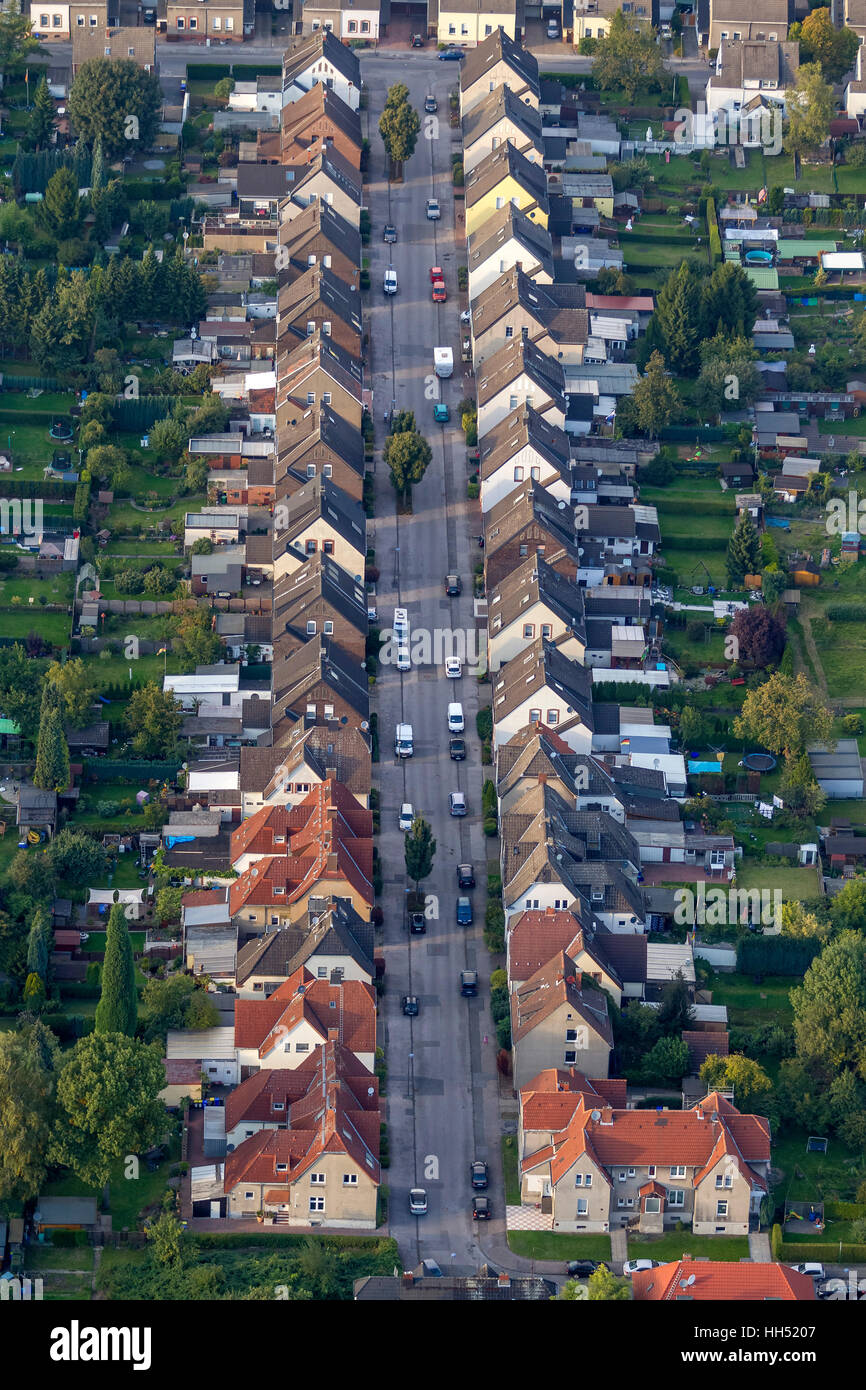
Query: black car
{"type": "Point", "coordinates": [431, 104]}
{"type": "Point", "coordinates": [481, 1209]}
{"type": "Point", "coordinates": [581, 1269]}
{"type": "Point", "coordinates": [417, 923]}
{"type": "Point", "coordinates": [453, 585]}
{"type": "Point", "coordinates": [457, 749]}
{"type": "Point", "coordinates": [451, 55]}
{"type": "Point", "coordinates": [390, 233]}
{"type": "Point", "coordinates": [479, 1173]}
{"type": "Point", "coordinates": [417, 41]}
{"type": "Point", "coordinates": [465, 876]}
{"type": "Point", "coordinates": [410, 1005]}
{"type": "Point", "coordinates": [469, 983]}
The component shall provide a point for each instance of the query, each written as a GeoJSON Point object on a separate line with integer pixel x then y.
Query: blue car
{"type": "Point", "coordinates": [451, 55]}
{"type": "Point", "coordinates": [464, 912]}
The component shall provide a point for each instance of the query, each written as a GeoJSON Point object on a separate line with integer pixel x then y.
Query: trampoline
{"type": "Point", "coordinates": [759, 762]}
{"type": "Point", "coordinates": [61, 429]}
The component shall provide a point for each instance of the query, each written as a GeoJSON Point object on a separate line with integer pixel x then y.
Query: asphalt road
{"type": "Point", "coordinates": [442, 1089]}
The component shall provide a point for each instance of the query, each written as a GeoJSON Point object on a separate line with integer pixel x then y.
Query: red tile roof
{"type": "Point", "coordinates": [252, 1099]}
{"type": "Point", "coordinates": [719, 1280]}
{"type": "Point", "coordinates": [549, 1101]}
{"type": "Point", "coordinates": [558, 984]}
{"type": "Point", "coordinates": [262, 1023]}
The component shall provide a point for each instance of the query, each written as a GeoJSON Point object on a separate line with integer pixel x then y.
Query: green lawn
{"type": "Point", "coordinates": [53, 627]}
{"type": "Point", "coordinates": [833, 1176]}
{"type": "Point", "coordinates": [674, 1244]}
{"type": "Point", "coordinates": [509, 1170]}
{"type": "Point", "coordinates": [750, 1004]}
{"type": "Point", "coordinates": [134, 546]}
{"type": "Point", "coordinates": [58, 589]}
{"type": "Point", "coordinates": [559, 1245]}
{"type": "Point", "coordinates": [796, 883]}
{"type": "Point", "coordinates": [128, 1196]}
{"type": "Point", "coordinates": [48, 1257]}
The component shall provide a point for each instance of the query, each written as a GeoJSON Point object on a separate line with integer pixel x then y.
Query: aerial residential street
{"type": "Point", "coordinates": [441, 1065]}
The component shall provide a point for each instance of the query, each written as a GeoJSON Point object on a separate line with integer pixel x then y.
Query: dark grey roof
{"type": "Point", "coordinates": [318, 661]}
{"type": "Point", "coordinates": [320, 497]}
{"type": "Point", "coordinates": [338, 170]}
{"type": "Point", "coordinates": [498, 46]}
{"type": "Point", "coordinates": [322, 44]}
{"type": "Point", "coordinates": [500, 226]}
{"type": "Point", "coordinates": [320, 576]}
{"type": "Point", "coordinates": [332, 929]}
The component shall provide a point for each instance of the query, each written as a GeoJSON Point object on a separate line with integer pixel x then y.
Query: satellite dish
{"type": "Point", "coordinates": [596, 1115]}
{"type": "Point", "coordinates": [690, 1280]}
{"type": "Point", "coordinates": [364, 725]}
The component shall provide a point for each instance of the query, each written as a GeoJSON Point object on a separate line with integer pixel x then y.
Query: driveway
{"type": "Point", "coordinates": [442, 1086]}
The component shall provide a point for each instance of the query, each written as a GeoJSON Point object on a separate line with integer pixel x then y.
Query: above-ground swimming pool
{"type": "Point", "coordinates": [759, 258]}
{"type": "Point", "coordinates": [705, 767]}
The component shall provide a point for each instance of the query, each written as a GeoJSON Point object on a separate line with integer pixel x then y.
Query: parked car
{"type": "Point", "coordinates": [431, 105]}
{"type": "Point", "coordinates": [417, 1201]}
{"type": "Point", "coordinates": [479, 1173]}
{"type": "Point", "coordinates": [810, 1267]}
{"type": "Point", "coordinates": [433, 211]}
{"type": "Point", "coordinates": [417, 924]}
{"type": "Point", "coordinates": [634, 1266]}
{"type": "Point", "coordinates": [403, 660]}
{"type": "Point", "coordinates": [390, 233]}
{"type": "Point", "coordinates": [401, 624]}
{"type": "Point", "coordinates": [407, 815]}
{"type": "Point", "coordinates": [469, 983]}
{"type": "Point", "coordinates": [457, 803]}
{"type": "Point", "coordinates": [466, 316]}
{"type": "Point", "coordinates": [417, 41]}
{"type": "Point", "coordinates": [441, 413]}
{"type": "Point", "coordinates": [453, 585]}
{"type": "Point", "coordinates": [390, 282]}
{"type": "Point", "coordinates": [465, 876]}
{"type": "Point", "coordinates": [457, 749]}
{"type": "Point", "coordinates": [464, 912]}
{"type": "Point", "coordinates": [451, 55]}
{"type": "Point", "coordinates": [552, 29]}
{"type": "Point", "coordinates": [581, 1269]}
{"type": "Point", "coordinates": [453, 667]}
{"type": "Point", "coordinates": [481, 1210]}
{"type": "Point", "coordinates": [410, 1005]}
{"type": "Point", "coordinates": [439, 294]}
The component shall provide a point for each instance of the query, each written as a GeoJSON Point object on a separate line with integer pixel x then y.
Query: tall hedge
{"type": "Point", "coordinates": [776, 955]}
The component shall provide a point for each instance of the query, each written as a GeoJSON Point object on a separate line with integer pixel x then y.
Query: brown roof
{"type": "Point", "coordinates": [253, 1098]}
{"type": "Point", "coordinates": [721, 1282]}
{"type": "Point", "coordinates": [556, 984]}
{"type": "Point", "coordinates": [704, 1045]}
{"type": "Point", "coordinates": [259, 1023]}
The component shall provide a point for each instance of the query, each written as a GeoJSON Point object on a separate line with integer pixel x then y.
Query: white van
{"type": "Point", "coordinates": [404, 745]}
{"type": "Point", "coordinates": [401, 625]}
{"type": "Point", "coordinates": [403, 660]}
{"type": "Point", "coordinates": [456, 723]}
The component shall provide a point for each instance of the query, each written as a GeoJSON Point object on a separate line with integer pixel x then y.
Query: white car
{"type": "Point", "coordinates": [401, 624]}
{"type": "Point", "coordinates": [433, 212]}
{"type": "Point", "coordinates": [552, 29]}
{"type": "Point", "coordinates": [407, 815]}
{"type": "Point", "coordinates": [453, 667]}
{"type": "Point", "coordinates": [633, 1266]}
{"type": "Point", "coordinates": [466, 316]}
{"type": "Point", "coordinates": [816, 1270]}
{"type": "Point", "coordinates": [403, 660]}
{"type": "Point", "coordinates": [390, 282]}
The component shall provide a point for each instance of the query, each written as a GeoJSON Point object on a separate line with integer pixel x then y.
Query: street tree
{"type": "Point", "coordinates": [744, 552]}
{"type": "Point", "coordinates": [628, 59]}
{"type": "Point", "coordinates": [115, 100]}
{"type": "Point", "coordinates": [419, 850]}
{"type": "Point", "coordinates": [784, 714]}
{"type": "Point", "coordinates": [117, 1010]}
{"type": "Point", "coordinates": [809, 108]}
{"type": "Point", "coordinates": [154, 717]}
{"type": "Point", "coordinates": [830, 1008]}
{"type": "Point", "coordinates": [602, 1285]}
{"type": "Point", "coordinates": [655, 397]}
{"type": "Point", "coordinates": [29, 1063]}
{"type": "Point", "coordinates": [399, 125]}
{"type": "Point", "coordinates": [407, 456]}
{"type": "Point", "coordinates": [109, 1106]}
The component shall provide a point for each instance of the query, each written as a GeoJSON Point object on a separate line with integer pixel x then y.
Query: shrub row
{"type": "Point", "coordinates": [715, 235]}
{"type": "Point", "coordinates": [832, 1253]}
{"type": "Point", "coordinates": [844, 1211]}
{"type": "Point", "coordinates": [847, 612]}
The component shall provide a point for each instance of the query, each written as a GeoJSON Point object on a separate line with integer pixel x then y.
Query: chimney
{"type": "Point", "coordinates": [331, 774]}
{"type": "Point", "coordinates": [607, 1115]}
{"type": "Point", "coordinates": [504, 1281]}
{"type": "Point", "coordinates": [549, 911]}
{"type": "Point", "coordinates": [332, 864]}
{"type": "Point", "coordinates": [408, 1280]}
{"type": "Point", "coordinates": [578, 980]}
{"type": "Point", "coordinates": [542, 779]}
{"type": "Point", "coordinates": [333, 1035]}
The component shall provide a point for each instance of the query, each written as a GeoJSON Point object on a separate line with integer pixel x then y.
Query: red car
{"type": "Point", "coordinates": [436, 273]}
{"type": "Point", "coordinates": [439, 292]}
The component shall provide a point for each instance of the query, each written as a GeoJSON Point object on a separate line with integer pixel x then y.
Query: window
{"type": "Point", "coordinates": [311, 327]}
{"type": "Point", "coordinates": [310, 547]}
{"type": "Point", "coordinates": [653, 1206]}
{"type": "Point", "coordinates": [311, 398]}
{"type": "Point", "coordinates": [494, 143]}
{"type": "Point", "coordinates": [278, 1105]}
{"type": "Point", "coordinates": [282, 1167]}
{"type": "Point", "coordinates": [453, 30]}
{"type": "Point", "coordinates": [329, 714]}
{"type": "Point", "coordinates": [353, 28]}
{"type": "Point", "coordinates": [365, 26]}
{"type": "Point", "coordinates": [181, 24]}
{"type": "Point", "coordinates": [328, 628]}
{"type": "Point", "coordinates": [721, 1209]}
{"type": "Point", "coordinates": [581, 1206]}
{"type": "Point", "coordinates": [193, 23]}
{"type": "Point", "coordinates": [518, 473]}
{"type": "Point", "coordinates": [571, 1035]}
{"type": "Point", "coordinates": [317, 1204]}
{"type": "Point", "coordinates": [535, 473]}
{"type": "Point", "coordinates": [230, 24]}
{"type": "Point", "coordinates": [93, 21]}
{"type": "Point", "coordinates": [621, 1175]}
{"type": "Point", "coordinates": [500, 203]}
{"type": "Point", "coordinates": [534, 716]}
{"type": "Point", "coordinates": [248, 1196]}
{"type": "Point", "coordinates": [43, 21]}
{"type": "Point", "coordinates": [553, 716]}
{"type": "Point", "coordinates": [529, 630]}
{"type": "Point", "coordinates": [546, 631]}
{"type": "Point", "coordinates": [311, 470]}
{"type": "Point", "coordinates": [523, 551]}
{"type": "Point", "coordinates": [587, 1180]}
{"type": "Point", "coordinates": [317, 1179]}
{"type": "Point", "coordinates": [350, 1179]}
{"type": "Point", "coordinates": [326, 328]}
{"type": "Point", "coordinates": [631, 1172]}
{"type": "Point", "coordinates": [678, 1170]}
{"type": "Point", "coordinates": [512, 405]}
{"type": "Point", "coordinates": [311, 260]}
{"type": "Point", "coordinates": [79, 20]}
{"type": "Point", "coordinates": [328, 547]}
{"type": "Point", "coordinates": [217, 22]}
{"type": "Point", "coordinates": [302, 1047]}
{"type": "Point", "coordinates": [326, 262]}
{"type": "Point", "coordinates": [326, 400]}
{"type": "Point", "coordinates": [676, 1197]}
{"type": "Point", "coordinates": [570, 1057]}
{"type": "Point", "coordinates": [311, 627]}
{"type": "Point", "coordinates": [509, 331]}
{"type": "Point", "coordinates": [651, 1171]}
{"type": "Point", "coordinates": [578, 1179]}
{"type": "Point", "coordinates": [311, 711]}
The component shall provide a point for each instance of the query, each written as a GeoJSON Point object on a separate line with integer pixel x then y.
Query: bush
{"type": "Point", "coordinates": [776, 1242]}
{"type": "Point", "coordinates": [499, 980]}
{"type": "Point", "coordinates": [490, 826]}
{"type": "Point", "coordinates": [484, 722]}
{"type": "Point", "coordinates": [847, 612]}
{"type": "Point", "coordinates": [503, 1034]}
{"type": "Point", "coordinates": [852, 724]}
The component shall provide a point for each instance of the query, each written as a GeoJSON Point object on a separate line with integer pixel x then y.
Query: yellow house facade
{"type": "Point", "coordinates": [475, 21]}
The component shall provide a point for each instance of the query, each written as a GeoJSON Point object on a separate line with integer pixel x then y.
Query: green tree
{"type": "Point", "coordinates": [34, 992]}
{"type": "Point", "coordinates": [194, 641]}
{"type": "Point", "coordinates": [39, 944]}
{"type": "Point", "coordinates": [168, 904]}
{"type": "Point", "coordinates": [744, 552]}
{"type": "Point", "coordinates": [51, 772]}
{"type": "Point", "coordinates": [407, 456]}
{"type": "Point", "coordinates": [110, 463]}
{"type": "Point", "coordinates": [60, 208]}
{"type": "Point", "coordinates": [16, 40]}
{"type": "Point", "coordinates": [628, 59]}
{"type": "Point", "coordinates": [848, 908]}
{"type": "Point", "coordinates": [691, 727]}
{"type": "Point", "coordinates": [834, 50]}
{"type": "Point", "coordinates": [799, 787]}
{"type": "Point", "coordinates": [728, 309]}
{"type": "Point", "coordinates": [830, 1008]}
{"type": "Point", "coordinates": [165, 1004]}
{"type": "Point", "coordinates": [41, 121]}
{"type": "Point", "coordinates": [656, 399]}
{"type": "Point", "coordinates": [75, 684]}
{"type": "Point", "coordinates": [61, 332]}
{"type": "Point", "coordinates": [810, 110]}
{"type": "Point", "coordinates": [108, 1101]}
{"type": "Point", "coordinates": [97, 167]}
{"type": "Point", "coordinates": [667, 1061]}
{"type": "Point", "coordinates": [169, 437]}
{"type": "Point", "coordinates": [419, 849]}
{"type": "Point", "coordinates": [20, 685]}
{"type": "Point", "coordinates": [726, 384]}
{"type": "Point", "coordinates": [224, 88]}
{"type": "Point", "coordinates": [117, 1010]}
{"type": "Point", "coordinates": [320, 1267]}
{"type": "Point", "coordinates": [679, 318]}
{"type": "Point", "coordinates": [785, 715]}
{"type": "Point", "coordinates": [76, 857]}
{"type": "Point", "coordinates": [165, 1235]}
{"type": "Point", "coordinates": [602, 1285]}
{"type": "Point", "coordinates": [752, 1087]}
{"type": "Point", "coordinates": [29, 1061]}
{"type": "Point", "coordinates": [115, 100]}
{"type": "Point", "coordinates": [201, 1011]}
{"type": "Point", "coordinates": [675, 1011]}
{"type": "Point", "coordinates": [798, 922]}
{"type": "Point", "coordinates": [154, 717]}
{"type": "Point", "coordinates": [399, 125]}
